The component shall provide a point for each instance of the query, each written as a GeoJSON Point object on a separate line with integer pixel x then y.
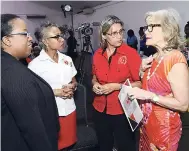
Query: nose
{"type": "Point", "coordinates": [146, 32]}
{"type": "Point", "coordinates": [30, 38]}
{"type": "Point", "coordinates": [61, 39]}
{"type": "Point", "coordinates": [119, 36]}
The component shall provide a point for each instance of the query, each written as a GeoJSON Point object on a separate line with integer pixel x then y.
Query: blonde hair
{"type": "Point", "coordinates": [105, 26]}
{"type": "Point", "coordinates": [169, 20]}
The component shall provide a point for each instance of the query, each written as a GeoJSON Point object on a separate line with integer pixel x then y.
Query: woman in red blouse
{"type": "Point", "coordinates": [113, 63]}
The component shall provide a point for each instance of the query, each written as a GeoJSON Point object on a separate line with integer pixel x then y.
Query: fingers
{"type": "Point", "coordinates": [146, 63]}
{"type": "Point", "coordinates": [148, 66]}
{"type": "Point", "coordinates": [105, 89]}
{"type": "Point", "coordinates": [131, 97]}
{"type": "Point", "coordinates": [67, 93]}
{"type": "Point", "coordinates": [96, 89]}
{"type": "Point", "coordinates": [149, 60]}
{"type": "Point", "coordinates": [67, 89]}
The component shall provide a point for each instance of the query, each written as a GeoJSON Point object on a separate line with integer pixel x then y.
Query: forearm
{"type": "Point", "coordinates": [169, 102]}
{"type": "Point", "coordinates": [94, 80]}
{"type": "Point", "coordinates": [172, 103]}
{"type": "Point", "coordinates": [74, 82]}
{"type": "Point", "coordinates": [57, 92]}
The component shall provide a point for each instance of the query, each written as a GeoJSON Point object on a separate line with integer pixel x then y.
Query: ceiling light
{"type": "Point", "coordinates": [67, 8]}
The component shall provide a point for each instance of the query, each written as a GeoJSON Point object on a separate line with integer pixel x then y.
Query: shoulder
{"type": "Point", "coordinates": [98, 52]}
{"type": "Point", "coordinates": [34, 63]}
{"type": "Point", "coordinates": [65, 57]}
{"type": "Point", "coordinates": [175, 56]}
{"type": "Point", "coordinates": [16, 75]}
{"type": "Point", "coordinates": [125, 49]}
{"type": "Point", "coordinates": [135, 37]}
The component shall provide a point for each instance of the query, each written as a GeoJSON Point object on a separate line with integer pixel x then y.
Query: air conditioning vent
{"type": "Point", "coordinates": [36, 16]}
{"type": "Point", "coordinates": [86, 11]}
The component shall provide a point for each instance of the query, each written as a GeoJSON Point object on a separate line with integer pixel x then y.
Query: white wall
{"type": "Point", "coordinates": [23, 8]}
{"type": "Point", "coordinates": [132, 13]}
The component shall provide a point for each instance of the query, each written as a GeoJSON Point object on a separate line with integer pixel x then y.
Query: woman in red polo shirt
{"type": "Point", "coordinates": [113, 63]}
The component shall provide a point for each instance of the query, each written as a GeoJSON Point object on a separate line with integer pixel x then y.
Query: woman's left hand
{"type": "Point", "coordinates": [72, 86]}
{"type": "Point", "coordinates": [108, 88]}
{"type": "Point", "coordinates": [137, 93]}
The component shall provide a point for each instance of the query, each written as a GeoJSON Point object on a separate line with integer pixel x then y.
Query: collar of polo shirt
{"type": "Point", "coordinates": [44, 56]}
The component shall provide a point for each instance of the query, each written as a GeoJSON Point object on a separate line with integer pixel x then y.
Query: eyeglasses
{"type": "Point", "coordinates": [57, 37]}
{"type": "Point", "coordinates": [151, 26]}
{"type": "Point", "coordinates": [115, 34]}
{"type": "Point", "coordinates": [22, 33]}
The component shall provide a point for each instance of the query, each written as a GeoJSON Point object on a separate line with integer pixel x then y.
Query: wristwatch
{"type": "Point", "coordinates": [155, 98]}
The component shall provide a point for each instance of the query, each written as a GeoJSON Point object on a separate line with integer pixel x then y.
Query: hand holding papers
{"type": "Point", "coordinates": [131, 107]}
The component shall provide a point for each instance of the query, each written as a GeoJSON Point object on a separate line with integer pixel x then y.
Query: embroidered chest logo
{"type": "Point", "coordinates": [68, 63]}
{"type": "Point", "coordinates": [122, 60]}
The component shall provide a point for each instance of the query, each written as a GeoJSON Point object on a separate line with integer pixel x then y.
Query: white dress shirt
{"type": "Point", "coordinates": [57, 75]}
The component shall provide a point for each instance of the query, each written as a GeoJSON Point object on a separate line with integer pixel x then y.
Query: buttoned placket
{"type": "Point", "coordinates": [107, 75]}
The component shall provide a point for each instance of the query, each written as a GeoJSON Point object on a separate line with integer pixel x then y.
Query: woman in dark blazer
{"type": "Point", "coordinates": [28, 108]}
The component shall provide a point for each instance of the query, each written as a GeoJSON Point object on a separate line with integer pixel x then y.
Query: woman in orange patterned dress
{"type": "Point", "coordinates": [165, 90]}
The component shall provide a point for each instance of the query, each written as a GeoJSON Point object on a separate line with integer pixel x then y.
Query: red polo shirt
{"type": "Point", "coordinates": [124, 64]}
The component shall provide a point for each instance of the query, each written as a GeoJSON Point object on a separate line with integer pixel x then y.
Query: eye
{"type": "Point", "coordinates": [114, 33]}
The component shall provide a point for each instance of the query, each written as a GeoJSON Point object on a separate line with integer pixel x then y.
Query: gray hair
{"type": "Point", "coordinates": [106, 25]}
{"type": "Point", "coordinates": [169, 20]}
{"type": "Point", "coordinates": [41, 32]}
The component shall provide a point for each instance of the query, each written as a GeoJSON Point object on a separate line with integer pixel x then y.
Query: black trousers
{"type": "Point", "coordinates": [183, 143]}
{"type": "Point", "coordinates": [114, 127]}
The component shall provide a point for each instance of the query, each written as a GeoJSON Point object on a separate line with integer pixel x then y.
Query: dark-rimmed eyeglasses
{"type": "Point", "coordinates": [151, 26]}
{"type": "Point", "coordinates": [57, 37]}
{"type": "Point", "coordinates": [115, 34]}
{"type": "Point", "coordinates": [21, 33]}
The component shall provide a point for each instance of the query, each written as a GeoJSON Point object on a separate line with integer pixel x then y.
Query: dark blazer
{"type": "Point", "coordinates": [29, 117]}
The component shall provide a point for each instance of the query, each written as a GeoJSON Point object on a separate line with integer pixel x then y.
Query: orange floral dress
{"type": "Point", "coordinates": [161, 127]}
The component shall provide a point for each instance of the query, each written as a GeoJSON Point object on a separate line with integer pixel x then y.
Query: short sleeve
{"type": "Point", "coordinates": [73, 69]}
{"type": "Point", "coordinates": [174, 58]}
{"type": "Point", "coordinates": [93, 69]}
{"type": "Point", "coordinates": [134, 62]}
{"type": "Point", "coordinates": [94, 65]}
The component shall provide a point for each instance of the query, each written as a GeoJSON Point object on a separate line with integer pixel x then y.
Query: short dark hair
{"type": "Point", "coordinates": [141, 28]}
{"type": "Point", "coordinates": [41, 32]}
{"type": "Point", "coordinates": [71, 32]}
{"type": "Point", "coordinates": [130, 33]}
{"type": "Point", "coordinates": [6, 25]}
{"type": "Point", "coordinates": [187, 25]}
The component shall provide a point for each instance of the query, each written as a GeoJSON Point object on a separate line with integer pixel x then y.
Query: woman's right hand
{"type": "Point", "coordinates": [146, 63]}
{"type": "Point", "coordinates": [97, 88]}
{"type": "Point", "coordinates": [65, 93]}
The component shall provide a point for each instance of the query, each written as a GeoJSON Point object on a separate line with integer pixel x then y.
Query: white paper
{"type": "Point", "coordinates": [131, 107]}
